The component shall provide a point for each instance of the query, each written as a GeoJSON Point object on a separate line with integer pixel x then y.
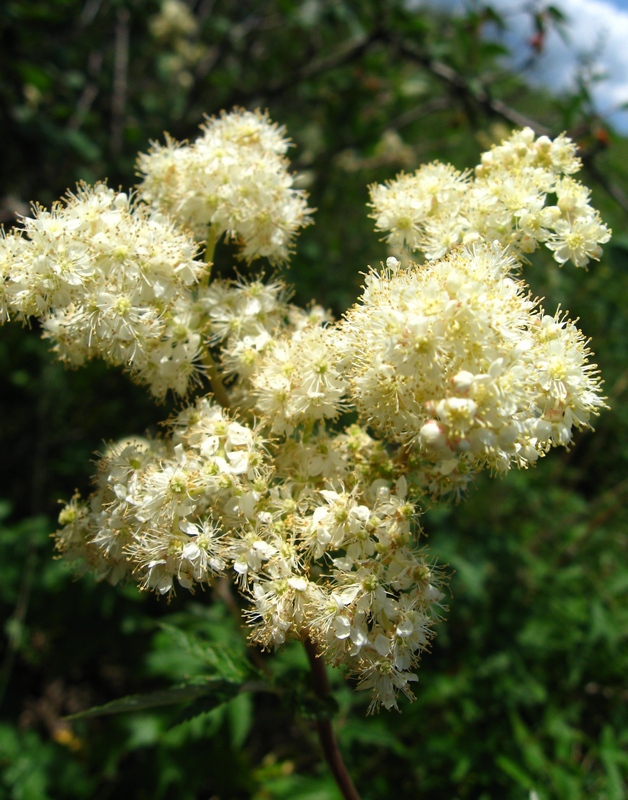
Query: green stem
{"type": "Point", "coordinates": [208, 257]}
{"type": "Point", "coordinates": [218, 388]}
{"type": "Point", "coordinates": [326, 735]}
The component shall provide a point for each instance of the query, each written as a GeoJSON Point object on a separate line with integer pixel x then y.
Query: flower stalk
{"type": "Point", "coordinates": [218, 388]}
{"type": "Point", "coordinates": [324, 728]}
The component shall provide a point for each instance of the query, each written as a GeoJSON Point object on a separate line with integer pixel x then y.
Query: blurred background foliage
{"type": "Point", "coordinates": [525, 689]}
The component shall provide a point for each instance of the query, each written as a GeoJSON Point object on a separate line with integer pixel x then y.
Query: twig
{"type": "Point", "coordinates": [324, 728]}
{"type": "Point", "coordinates": [89, 12]}
{"type": "Point", "coordinates": [120, 75]}
{"type": "Point", "coordinates": [89, 93]}
{"type": "Point", "coordinates": [482, 98]}
{"type": "Point", "coordinates": [348, 51]}
{"type": "Point", "coordinates": [459, 84]}
{"type": "Point", "coordinates": [345, 53]}
{"type": "Point", "coordinates": [418, 112]}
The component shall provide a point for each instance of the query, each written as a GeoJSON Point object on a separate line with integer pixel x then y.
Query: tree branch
{"type": "Point", "coordinates": [120, 77]}
{"type": "Point", "coordinates": [462, 86]}
{"type": "Point", "coordinates": [348, 51]}
{"type": "Point", "coordinates": [481, 97]}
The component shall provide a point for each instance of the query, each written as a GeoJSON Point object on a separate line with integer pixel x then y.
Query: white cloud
{"type": "Point", "coordinates": [596, 29]}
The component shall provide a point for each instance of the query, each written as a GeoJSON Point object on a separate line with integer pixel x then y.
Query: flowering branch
{"type": "Point", "coordinates": [450, 366]}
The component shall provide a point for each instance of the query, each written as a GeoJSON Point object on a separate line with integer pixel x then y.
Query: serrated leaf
{"type": "Point", "coordinates": [206, 704]}
{"type": "Point", "coordinates": [222, 690]}
{"type": "Point", "coordinates": [225, 662]}
{"type": "Point", "coordinates": [240, 716]}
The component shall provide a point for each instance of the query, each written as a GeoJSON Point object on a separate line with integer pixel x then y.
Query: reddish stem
{"type": "Point", "coordinates": [324, 728]}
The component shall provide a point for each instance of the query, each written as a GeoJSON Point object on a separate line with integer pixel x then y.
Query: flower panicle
{"type": "Point", "coordinates": [507, 199]}
{"type": "Point", "coordinates": [233, 180]}
{"type": "Point", "coordinates": [305, 473]}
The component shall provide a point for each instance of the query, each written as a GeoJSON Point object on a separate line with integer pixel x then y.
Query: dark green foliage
{"type": "Point", "coordinates": [525, 688]}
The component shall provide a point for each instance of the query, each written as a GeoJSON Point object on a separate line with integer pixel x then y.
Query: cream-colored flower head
{"type": "Point", "coordinates": [108, 276]}
{"type": "Point", "coordinates": [174, 21]}
{"type": "Point", "coordinates": [508, 200]}
{"type": "Point", "coordinates": [232, 180]}
{"type": "Point", "coordinates": [456, 358]}
{"type": "Point", "coordinates": [451, 366]}
{"type": "Point", "coordinates": [298, 381]}
{"type": "Point", "coordinates": [161, 508]}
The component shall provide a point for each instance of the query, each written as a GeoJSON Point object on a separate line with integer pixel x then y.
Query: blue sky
{"type": "Point", "coordinates": [596, 29]}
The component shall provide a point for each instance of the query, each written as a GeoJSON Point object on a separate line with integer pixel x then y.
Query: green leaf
{"type": "Point", "coordinates": [515, 772]}
{"type": "Point", "coordinates": [376, 733]}
{"type": "Point", "coordinates": [223, 661]}
{"type": "Point", "coordinates": [83, 145]}
{"type": "Point", "coordinates": [240, 716]}
{"type": "Point", "coordinates": [281, 786]}
{"type": "Point", "coordinates": [206, 704]}
{"type": "Point", "coordinates": [313, 707]}
{"type": "Point", "coordinates": [216, 691]}
{"type": "Point", "coordinates": [613, 757]}
{"type": "Point", "coordinates": [494, 49]}
{"type": "Point", "coordinates": [556, 14]}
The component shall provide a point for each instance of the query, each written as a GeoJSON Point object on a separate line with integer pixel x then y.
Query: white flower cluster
{"type": "Point", "coordinates": [284, 358]}
{"type": "Point", "coordinates": [161, 507]}
{"type": "Point", "coordinates": [232, 180]}
{"type": "Point", "coordinates": [438, 208]}
{"type": "Point", "coordinates": [337, 565]}
{"type": "Point", "coordinates": [451, 365]}
{"type": "Point", "coordinates": [109, 278]}
{"type": "Point", "coordinates": [299, 381]}
{"type": "Point", "coordinates": [244, 316]}
{"type": "Point", "coordinates": [455, 359]}
{"type": "Point", "coordinates": [373, 607]}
